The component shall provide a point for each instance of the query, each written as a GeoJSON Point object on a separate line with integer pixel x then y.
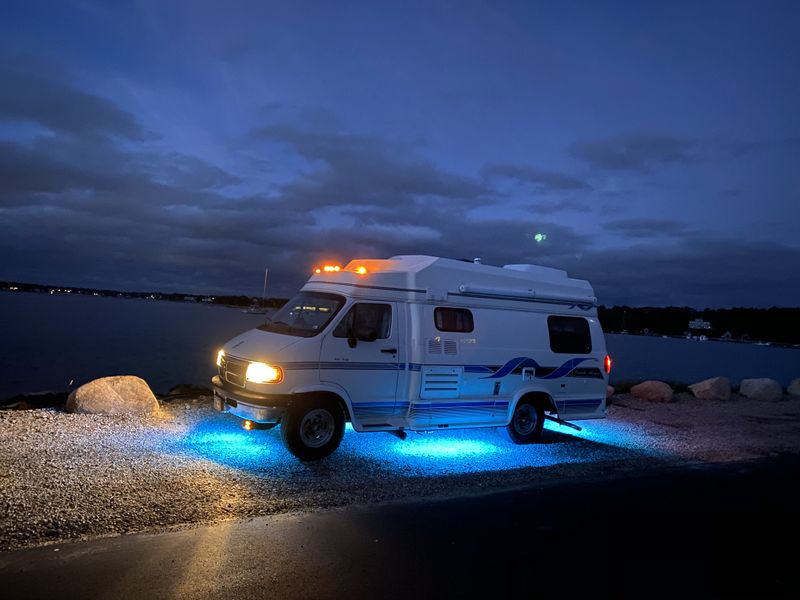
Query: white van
{"type": "Point", "coordinates": [419, 343]}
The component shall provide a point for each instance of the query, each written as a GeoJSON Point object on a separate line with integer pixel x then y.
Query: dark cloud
{"type": "Point", "coordinates": [53, 166]}
{"type": "Point", "coordinates": [636, 152]}
{"type": "Point", "coordinates": [701, 272]}
{"type": "Point", "coordinates": [548, 180]}
{"type": "Point", "coordinates": [33, 91]}
{"type": "Point", "coordinates": [352, 169]}
{"type": "Point", "coordinates": [646, 228]}
{"type": "Point", "coordinates": [549, 207]}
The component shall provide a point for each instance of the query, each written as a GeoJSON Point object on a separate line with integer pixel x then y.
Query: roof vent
{"type": "Point", "coordinates": [476, 260]}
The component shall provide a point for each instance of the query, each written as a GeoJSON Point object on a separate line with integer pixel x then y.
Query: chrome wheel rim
{"type": "Point", "coordinates": [525, 419]}
{"type": "Point", "coordinates": [316, 428]}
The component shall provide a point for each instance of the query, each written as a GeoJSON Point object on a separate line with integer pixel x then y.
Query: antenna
{"type": "Point", "coordinates": [264, 293]}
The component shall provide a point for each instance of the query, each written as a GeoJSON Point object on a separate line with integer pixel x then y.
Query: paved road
{"type": "Point", "coordinates": [691, 532]}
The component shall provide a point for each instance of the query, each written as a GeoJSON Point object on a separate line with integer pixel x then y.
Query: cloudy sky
{"type": "Point", "coordinates": [184, 146]}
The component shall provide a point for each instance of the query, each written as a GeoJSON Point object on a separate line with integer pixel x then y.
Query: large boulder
{"type": "Point", "coordinates": [761, 389]}
{"type": "Point", "coordinates": [653, 391]}
{"type": "Point", "coordinates": [121, 395]}
{"type": "Point", "coordinates": [716, 388]}
{"type": "Point", "coordinates": [794, 387]}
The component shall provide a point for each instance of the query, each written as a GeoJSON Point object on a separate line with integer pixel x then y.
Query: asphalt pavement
{"type": "Point", "coordinates": [697, 531]}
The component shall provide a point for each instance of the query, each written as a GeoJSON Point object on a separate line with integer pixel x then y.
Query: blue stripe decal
{"type": "Point", "coordinates": [522, 362]}
{"type": "Point", "coordinates": [418, 405]}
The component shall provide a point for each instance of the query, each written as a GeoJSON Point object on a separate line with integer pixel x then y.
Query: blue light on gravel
{"type": "Point", "coordinates": [438, 447]}
{"type": "Point", "coordinates": [241, 449]}
{"type": "Point", "coordinates": [221, 439]}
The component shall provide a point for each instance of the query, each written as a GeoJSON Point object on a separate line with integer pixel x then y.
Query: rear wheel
{"type": "Point", "coordinates": [526, 423]}
{"type": "Point", "coordinates": [313, 429]}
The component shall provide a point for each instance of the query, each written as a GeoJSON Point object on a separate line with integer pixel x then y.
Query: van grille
{"type": "Point", "coordinates": [233, 370]}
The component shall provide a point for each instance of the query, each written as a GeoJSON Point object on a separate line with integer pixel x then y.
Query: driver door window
{"type": "Point", "coordinates": [366, 316]}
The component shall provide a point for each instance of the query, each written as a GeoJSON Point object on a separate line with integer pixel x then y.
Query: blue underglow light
{"type": "Point", "coordinates": [438, 447]}
{"type": "Point", "coordinates": [237, 448]}
{"type": "Point", "coordinates": [221, 439]}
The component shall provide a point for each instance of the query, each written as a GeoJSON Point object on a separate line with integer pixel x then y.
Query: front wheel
{"type": "Point", "coordinates": [526, 423]}
{"type": "Point", "coordinates": [313, 429]}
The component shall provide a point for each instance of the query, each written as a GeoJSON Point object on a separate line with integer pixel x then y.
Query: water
{"type": "Point", "coordinates": [49, 340]}
{"type": "Point", "coordinates": [687, 361]}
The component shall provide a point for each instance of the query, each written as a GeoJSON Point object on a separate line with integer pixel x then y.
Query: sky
{"type": "Point", "coordinates": [652, 148]}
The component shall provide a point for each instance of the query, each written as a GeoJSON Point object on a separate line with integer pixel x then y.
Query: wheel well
{"type": "Point", "coordinates": [333, 397]}
{"type": "Point", "coordinates": [540, 399]}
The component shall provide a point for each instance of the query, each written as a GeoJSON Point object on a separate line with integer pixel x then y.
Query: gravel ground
{"type": "Point", "coordinates": [65, 476]}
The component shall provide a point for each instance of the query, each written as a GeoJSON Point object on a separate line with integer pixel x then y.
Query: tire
{"type": "Point", "coordinates": [526, 423]}
{"type": "Point", "coordinates": [313, 428]}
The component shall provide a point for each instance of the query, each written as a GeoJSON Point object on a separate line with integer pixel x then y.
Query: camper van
{"type": "Point", "coordinates": [419, 343]}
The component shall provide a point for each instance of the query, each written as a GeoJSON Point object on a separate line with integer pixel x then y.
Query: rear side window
{"type": "Point", "coordinates": [569, 335]}
{"type": "Point", "coordinates": [458, 320]}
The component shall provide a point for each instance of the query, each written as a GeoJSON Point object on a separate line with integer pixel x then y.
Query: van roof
{"type": "Point", "coordinates": [439, 277]}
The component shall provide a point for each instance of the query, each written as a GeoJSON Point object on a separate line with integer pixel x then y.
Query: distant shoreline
{"type": "Point", "coordinates": [774, 326]}
{"type": "Point", "coordinates": [52, 290]}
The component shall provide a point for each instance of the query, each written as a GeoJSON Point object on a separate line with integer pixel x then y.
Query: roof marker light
{"type": "Point", "coordinates": [327, 269]}
{"type": "Point", "coordinates": [361, 270]}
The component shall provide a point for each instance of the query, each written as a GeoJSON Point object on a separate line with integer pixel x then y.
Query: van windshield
{"type": "Point", "coordinates": [305, 315]}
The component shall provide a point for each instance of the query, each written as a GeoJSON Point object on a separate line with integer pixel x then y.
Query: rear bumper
{"type": "Point", "coordinates": [249, 405]}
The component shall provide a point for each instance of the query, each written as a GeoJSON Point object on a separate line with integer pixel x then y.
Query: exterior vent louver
{"type": "Point", "coordinates": [441, 382]}
{"type": "Point", "coordinates": [434, 346]}
{"type": "Point", "coordinates": [450, 347]}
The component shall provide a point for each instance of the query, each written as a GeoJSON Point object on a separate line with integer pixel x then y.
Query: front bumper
{"type": "Point", "coordinates": [249, 405]}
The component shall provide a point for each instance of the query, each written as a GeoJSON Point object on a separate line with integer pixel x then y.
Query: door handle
{"type": "Point", "coordinates": [389, 350]}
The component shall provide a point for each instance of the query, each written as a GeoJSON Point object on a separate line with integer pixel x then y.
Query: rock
{"type": "Point", "coordinates": [761, 389]}
{"type": "Point", "coordinates": [113, 396]}
{"type": "Point", "coordinates": [653, 391]}
{"type": "Point", "coordinates": [609, 391]}
{"type": "Point", "coordinates": [716, 388]}
{"type": "Point", "coordinates": [794, 387]}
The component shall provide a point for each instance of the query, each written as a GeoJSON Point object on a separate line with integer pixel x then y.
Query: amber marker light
{"type": "Point", "coordinates": [362, 270]}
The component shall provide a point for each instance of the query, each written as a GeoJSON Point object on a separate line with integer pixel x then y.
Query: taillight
{"type": "Point", "coordinates": [607, 363]}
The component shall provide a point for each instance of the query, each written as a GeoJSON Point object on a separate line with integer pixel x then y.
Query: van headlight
{"type": "Point", "coordinates": [220, 356]}
{"type": "Point", "coordinates": [259, 372]}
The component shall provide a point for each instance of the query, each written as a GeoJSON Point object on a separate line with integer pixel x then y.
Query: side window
{"type": "Point", "coordinates": [569, 335]}
{"type": "Point", "coordinates": [458, 320]}
{"type": "Point", "coordinates": [365, 315]}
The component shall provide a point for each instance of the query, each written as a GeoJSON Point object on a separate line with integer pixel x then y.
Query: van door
{"type": "Point", "coordinates": [581, 390]}
{"type": "Point", "coordinates": [362, 354]}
